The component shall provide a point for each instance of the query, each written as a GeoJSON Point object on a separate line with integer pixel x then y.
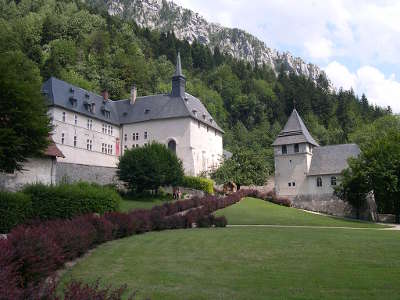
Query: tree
{"type": "Point", "coordinates": [245, 167]}
{"type": "Point", "coordinates": [24, 125]}
{"type": "Point", "coordinates": [149, 167]}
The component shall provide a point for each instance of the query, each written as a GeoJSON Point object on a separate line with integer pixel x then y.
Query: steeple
{"type": "Point", "coordinates": [178, 80]}
{"type": "Point", "coordinates": [294, 132]}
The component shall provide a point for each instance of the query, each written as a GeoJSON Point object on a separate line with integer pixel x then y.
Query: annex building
{"type": "Point", "coordinates": [306, 172]}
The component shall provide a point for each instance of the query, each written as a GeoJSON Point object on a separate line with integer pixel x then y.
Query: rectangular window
{"type": "Point", "coordinates": [293, 183]}
{"type": "Point", "coordinates": [296, 148]}
{"type": "Point", "coordinates": [319, 182]}
{"type": "Point", "coordinates": [63, 116]}
{"type": "Point", "coordinates": [75, 141]}
{"type": "Point", "coordinates": [111, 130]}
{"type": "Point", "coordinates": [289, 184]}
{"type": "Point", "coordinates": [103, 129]}
{"type": "Point", "coordinates": [89, 124]}
{"type": "Point", "coordinates": [62, 138]}
{"type": "Point", "coordinates": [137, 136]}
{"type": "Point", "coordinates": [333, 180]}
{"type": "Point", "coordinates": [133, 136]}
{"type": "Point", "coordinates": [284, 149]}
{"type": "Point", "coordinates": [125, 147]}
{"type": "Point", "coordinates": [125, 137]}
{"type": "Point", "coordinates": [102, 147]}
{"type": "Point", "coordinates": [89, 144]}
{"type": "Point", "coordinates": [145, 135]}
{"type": "Point", "coordinates": [76, 120]}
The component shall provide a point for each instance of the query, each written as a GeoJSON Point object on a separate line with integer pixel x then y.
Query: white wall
{"type": "Point", "coordinates": [207, 148]}
{"type": "Point", "coordinates": [326, 188]}
{"type": "Point", "coordinates": [198, 149]}
{"type": "Point", "coordinates": [80, 154]}
{"type": "Point", "coordinates": [35, 170]}
{"type": "Point", "coordinates": [291, 167]}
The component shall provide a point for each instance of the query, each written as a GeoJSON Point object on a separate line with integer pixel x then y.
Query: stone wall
{"type": "Point", "coordinates": [67, 172]}
{"type": "Point", "coordinates": [329, 204]}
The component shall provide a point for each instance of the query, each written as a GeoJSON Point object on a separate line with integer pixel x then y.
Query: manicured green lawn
{"type": "Point", "coordinates": [251, 211]}
{"type": "Point", "coordinates": [127, 205]}
{"type": "Point", "coordinates": [250, 263]}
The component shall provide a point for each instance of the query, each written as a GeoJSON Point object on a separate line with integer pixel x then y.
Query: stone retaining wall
{"type": "Point", "coordinates": [67, 173]}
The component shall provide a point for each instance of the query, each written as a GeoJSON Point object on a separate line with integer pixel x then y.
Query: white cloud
{"type": "Point", "coordinates": [380, 90]}
{"type": "Point", "coordinates": [320, 48]}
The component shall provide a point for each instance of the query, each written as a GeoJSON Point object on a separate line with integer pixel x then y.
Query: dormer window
{"type": "Point", "coordinates": [204, 116]}
{"type": "Point", "coordinates": [194, 112]}
{"type": "Point", "coordinates": [284, 149]}
{"type": "Point", "coordinates": [86, 95]}
{"type": "Point", "coordinates": [211, 120]}
{"type": "Point", "coordinates": [71, 90]}
{"type": "Point", "coordinates": [73, 101]}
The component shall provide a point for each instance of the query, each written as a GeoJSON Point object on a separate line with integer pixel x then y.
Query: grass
{"type": "Point", "coordinates": [251, 211]}
{"type": "Point", "coordinates": [250, 263]}
{"type": "Point", "coordinates": [148, 202]}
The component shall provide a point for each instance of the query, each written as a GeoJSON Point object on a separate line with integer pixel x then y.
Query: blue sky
{"type": "Point", "coordinates": [356, 42]}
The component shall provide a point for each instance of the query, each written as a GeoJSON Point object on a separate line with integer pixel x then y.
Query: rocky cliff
{"type": "Point", "coordinates": [186, 24]}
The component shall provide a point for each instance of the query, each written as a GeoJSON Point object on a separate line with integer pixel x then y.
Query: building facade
{"type": "Point", "coordinates": [307, 173]}
{"type": "Point", "coordinates": [93, 132]}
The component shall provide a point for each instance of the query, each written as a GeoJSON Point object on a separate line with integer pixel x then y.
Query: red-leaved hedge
{"type": "Point", "coordinates": [33, 252]}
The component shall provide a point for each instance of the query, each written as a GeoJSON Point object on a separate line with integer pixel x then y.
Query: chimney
{"type": "Point", "coordinates": [104, 93]}
{"type": "Point", "coordinates": [133, 94]}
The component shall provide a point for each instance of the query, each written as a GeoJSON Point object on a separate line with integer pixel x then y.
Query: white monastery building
{"type": "Point", "coordinates": [304, 171]}
{"type": "Point", "coordinates": [93, 131]}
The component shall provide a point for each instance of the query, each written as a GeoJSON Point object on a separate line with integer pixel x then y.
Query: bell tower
{"type": "Point", "coordinates": [292, 155]}
{"type": "Point", "coordinates": [178, 80]}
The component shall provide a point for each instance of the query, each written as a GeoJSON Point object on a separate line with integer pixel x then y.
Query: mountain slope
{"type": "Point", "coordinates": [190, 26]}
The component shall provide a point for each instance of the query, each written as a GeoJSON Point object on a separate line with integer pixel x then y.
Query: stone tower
{"type": "Point", "coordinates": [293, 150]}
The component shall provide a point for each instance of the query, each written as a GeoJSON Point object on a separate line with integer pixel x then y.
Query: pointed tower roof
{"type": "Point", "coordinates": [178, 70]}
{"type": "Point", "coordinates": [294, 132]}
{"type": "Point", "coordinates": [178, 80]}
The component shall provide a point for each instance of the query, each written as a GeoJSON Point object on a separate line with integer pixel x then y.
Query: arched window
{"type": "Point", "coordinates": [172, 146]}
{"type": "Point", "coordinates": [333, 180]}
{"type": "Point", "coordinates": [319, 181]}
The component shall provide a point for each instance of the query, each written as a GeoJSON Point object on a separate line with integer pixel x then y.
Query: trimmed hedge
{"type": "Point", "coordinates": [15, 208]}
{"type": "Point", "coordinates": [31, 253]}
{"type": "Point", "coordinates": [69, 200]}
{"type": "Point", "coordinates": [199, 183]}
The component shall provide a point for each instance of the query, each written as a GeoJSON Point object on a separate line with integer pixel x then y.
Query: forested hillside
{"type": "Point", "coordinates": [80, 43]}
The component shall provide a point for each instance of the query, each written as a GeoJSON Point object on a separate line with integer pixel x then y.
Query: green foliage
{"type": "Point", "coordinates": [79, 42]}
{"type": "Point", "coordinates": [68, 200]}
{"type": "Point", "coordinates": [15, 208]}
{"type": "Point", "coordinates": [24, 125]}
{"type": "Point", "coordinates": [377, 169]}
{"type": "Point", "coordinates": [245, 167]}
{"type": "Point", "coordinates": [199, 183]}
{"type": "Point", "coordinates": [149, 167]}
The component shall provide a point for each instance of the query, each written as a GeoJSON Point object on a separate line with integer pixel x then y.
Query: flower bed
{"type": "Point", "coordinates": [31, 253]}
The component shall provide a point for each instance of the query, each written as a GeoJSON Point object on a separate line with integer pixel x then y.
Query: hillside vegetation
{"type": "Point", "coordinates": [79, 42]}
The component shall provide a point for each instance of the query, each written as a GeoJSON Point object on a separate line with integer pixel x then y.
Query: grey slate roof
{"type": "Point", "coordinates": [294, 132]}
{"type": "Point", "coordinates": [332, 159]}
{"type": "Point", "coordinates": [145, 108]}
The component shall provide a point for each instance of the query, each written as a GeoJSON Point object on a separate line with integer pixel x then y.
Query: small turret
{"type": "Point", "coordinates": [178, 80]}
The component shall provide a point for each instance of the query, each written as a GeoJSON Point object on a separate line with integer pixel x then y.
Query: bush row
{"type": "Point", "coordinates": [271, 197]}
{"type": "Point", "coordinates": [63, 201]}
{"type": "Point", "coordinates": [199, 183]}
{"type": "Point", "coordinates": [31, 253]}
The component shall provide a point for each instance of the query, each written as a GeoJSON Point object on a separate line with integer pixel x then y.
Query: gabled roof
{"type": "Point", "coordinates": [294, 132]}
{"type": "Point", "coordinates": [62, 94]}
{"type": "Point", "coordinates": [332, 159]}
{"type": "Point", "coordinates": [163, 106]}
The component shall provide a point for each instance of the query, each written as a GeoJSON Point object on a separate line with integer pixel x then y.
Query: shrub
{"type": "Point", "coordinates": [149, 167]}
{"type": "Point", "coordinates": [10, 280]}
{"type": "Point", "coordinates": [15, 209]}
{"type": "Point", "coordinates": [220, 221]}
{"type": "Point", "coordinates": [104, 228]}
{"type": "Point", "coordinates": [36, 254]}
{"type": "Point", "coordinates": [271, 197]}
{"type": "Point", "coordinates": [199, 183]}
{"type": "Point", "coordinates": [124, 224]}
{"type": "Point", "coordinates": [68, 200]}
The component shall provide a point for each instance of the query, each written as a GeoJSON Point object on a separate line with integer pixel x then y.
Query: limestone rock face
{"type": "Point", "coordinates": [188, 25]}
